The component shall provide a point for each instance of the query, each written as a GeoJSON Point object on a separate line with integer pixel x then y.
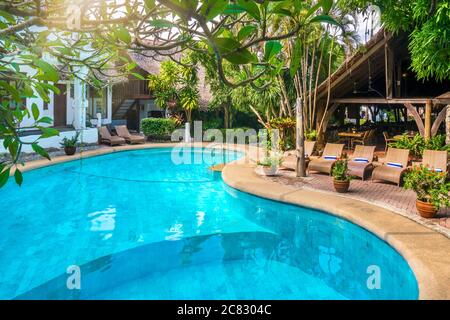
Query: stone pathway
{"type": "Point", "coordinates": [385, 195]}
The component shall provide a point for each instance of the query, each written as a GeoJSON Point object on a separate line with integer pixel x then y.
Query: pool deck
{"type": "Point", "coordinates": [426, 250]}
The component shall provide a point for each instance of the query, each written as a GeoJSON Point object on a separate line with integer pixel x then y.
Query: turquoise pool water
{"type": "Point", "coordinates": [141, 227]}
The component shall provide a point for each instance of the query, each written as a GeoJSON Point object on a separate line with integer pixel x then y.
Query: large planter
{"type": "Point", "coordinates": [70, 151]}
{"type": "Point", "coordinates": [426, 209]}
{"type": "Point", "coordinates": [267, 171]}
{"type": "Point", "coordinates": [341, 186]}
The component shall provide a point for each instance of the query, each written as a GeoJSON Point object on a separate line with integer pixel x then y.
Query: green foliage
{"type": "Point", "coordinates": [311, 135]}
{"type": "Point", "coordinates": [70, 142]}
{"type": "Point", "coordinates": [158, 128]}
{"type": "Point", "coordinates": [417, 144]}
{"type": "Point", "coordinates": [428, 23]}
{"type": "Point", "coordinates": [430, 186]}
{"type": "Point", "coordinates": [177, 83]}
{"type": "Point", "coordinates": [273, 160]}
{"type": "Point", "coordinates": [340, 171]}
{"type": "Point", "coordinates": [212, 124]}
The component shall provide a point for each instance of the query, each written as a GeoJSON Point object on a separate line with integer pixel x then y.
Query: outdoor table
{"type": "Point", "coordinates": [350, 136]}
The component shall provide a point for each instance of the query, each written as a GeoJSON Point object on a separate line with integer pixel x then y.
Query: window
{"type": "Point", "coordinates": [97, 101]}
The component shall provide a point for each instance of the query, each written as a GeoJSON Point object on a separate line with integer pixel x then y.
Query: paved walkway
{"type": "Point", "coordinates": [385, 195]}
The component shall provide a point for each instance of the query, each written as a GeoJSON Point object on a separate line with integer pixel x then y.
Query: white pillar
{"type": "Point", "coordinates": [109, 104]}
{"type": "Point", "coordinates": [187, 132]}
{"type": "Point", "coordinates": [80, 100]}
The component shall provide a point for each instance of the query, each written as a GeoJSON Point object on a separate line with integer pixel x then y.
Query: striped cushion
{"type": "Point", "coordinates": [365, 160]}
{"type": "Point", "coordinates": [330, 157]}
{"type": "Point", "coordinates": [394, 164]}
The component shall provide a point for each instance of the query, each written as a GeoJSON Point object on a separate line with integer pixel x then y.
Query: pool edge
{"type": "Point", "coordinates": [428, 259]}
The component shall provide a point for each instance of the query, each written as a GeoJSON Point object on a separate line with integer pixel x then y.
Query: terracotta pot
{"type": "Point", "coordinates": [70, 151]}
{"type": "Point", "coordinates": [341, 186]}
{"type": "Point", "coordinates": [426, 209]}
{"type": "Point", "coordinates": [267, 171]}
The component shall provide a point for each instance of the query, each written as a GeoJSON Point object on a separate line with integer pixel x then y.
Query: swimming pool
{"type": "Point", "coordinates": [139, 226]}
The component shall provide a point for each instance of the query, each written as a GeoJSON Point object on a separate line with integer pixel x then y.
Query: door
{"type": "Point", "coordinates": [60, 106]}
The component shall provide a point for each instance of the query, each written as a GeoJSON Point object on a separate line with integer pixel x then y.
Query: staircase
{"type": "Point", "coordinates": [125, 95]}
{"type": "Point", "coordinates": [121, 111]}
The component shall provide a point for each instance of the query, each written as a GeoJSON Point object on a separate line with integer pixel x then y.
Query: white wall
{"type": "Point", "coordinates": [89, 135]}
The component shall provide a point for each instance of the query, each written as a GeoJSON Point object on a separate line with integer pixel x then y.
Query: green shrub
{"type": "Point", "coordinates": [158, 128]}
{"type": "Point", "coordinates": [430, 186]}
{"type": "Point", "coordinates": [417, 144]}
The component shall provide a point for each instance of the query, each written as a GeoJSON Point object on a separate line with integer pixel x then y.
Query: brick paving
{"type": "Point", "coordinates": [385, 195]}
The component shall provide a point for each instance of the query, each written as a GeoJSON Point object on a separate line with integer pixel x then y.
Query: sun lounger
{"type": "Point", "coordinates": [395, 164]}
{"type": "Point", "coordinates": [324, 164]}
{"type": "Point", "coordinates": [122, 131]}
{"type": "Point", "coordinates": [290, 157]}
{"type": "Point", "coordinates": [106, 137]}
{"type": "Point", "coordinates": [435, 160]}
{"type": "Point", "coordinates": [360, 162]}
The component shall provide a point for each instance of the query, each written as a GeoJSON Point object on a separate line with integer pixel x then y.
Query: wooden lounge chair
{"type": "Point", "coordinates": [106, 137]}
{"type": "Point", "coordinates": [435, 160]}
{"type": "Point", "coordinates": [395, 164]}
{"type": "Point", "coordinates": [290, 157]}
{"type": "Point", "coordinates": [360, 162]}
{"type": "Point", "coordinates": [324, 164]}
{"type": "Point", "coordinates": [122, 131]}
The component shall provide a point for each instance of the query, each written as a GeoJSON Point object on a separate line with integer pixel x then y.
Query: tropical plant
{"type": "Point", "coordinates": [429, 185]}
{"type": "Point", "coordinates": [311, 135]}
{"type": "Point", "coordinates": [340, 170]}
{"type": "Point", "coordinates": [273, 160]}
{"type": "Point", "coordinates": [417, 144]}
{"type": "Point", "coordinates": [70, 142]}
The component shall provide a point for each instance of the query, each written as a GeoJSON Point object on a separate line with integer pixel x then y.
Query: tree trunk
{"type": "Point", "coordinates": [300, 140]}
{"type": "Point", "coordinates": [226, 116]}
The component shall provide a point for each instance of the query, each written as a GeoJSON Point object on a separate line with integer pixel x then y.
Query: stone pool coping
{"type": "Point", "coordinates": [425, 250]}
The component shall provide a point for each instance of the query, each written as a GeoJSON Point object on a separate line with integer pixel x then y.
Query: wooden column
{"type": "Point", "coordinates": [428, 107]}
{"type": "Point", "coordinates": [300, 140]}
{"type": "Point", "coordinates": [447, 125]}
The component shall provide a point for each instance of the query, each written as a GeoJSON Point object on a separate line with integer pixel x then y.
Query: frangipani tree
{"type": "Point", "coordinates": [92, 34]}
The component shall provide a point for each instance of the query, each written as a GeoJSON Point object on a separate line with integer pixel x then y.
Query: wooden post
{"type": "Point", "coordinates": [447, 125]}
{"type": "Point", "coordinates": [428, 107]}
{"type": "Point", "coordinates": [300, 140]}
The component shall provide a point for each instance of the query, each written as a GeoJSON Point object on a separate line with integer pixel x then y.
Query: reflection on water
{"type": "Point", "coordinates": [103, 221]}
{"type": "Point", "coordinates": [252, 265]}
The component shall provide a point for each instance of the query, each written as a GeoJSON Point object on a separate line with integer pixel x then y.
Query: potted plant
{"type": "Point", "coordinates": [341, 179]}
{"type": "Point", "coordinates": [431, 189]}
{"type": "Point", "coordinates": [269, 165]}
{"type": "Point", "coordinates": [70, 144]}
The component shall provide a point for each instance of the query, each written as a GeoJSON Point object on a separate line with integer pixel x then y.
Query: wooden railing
{"type": "Point", "coordinates": [133, 89]}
